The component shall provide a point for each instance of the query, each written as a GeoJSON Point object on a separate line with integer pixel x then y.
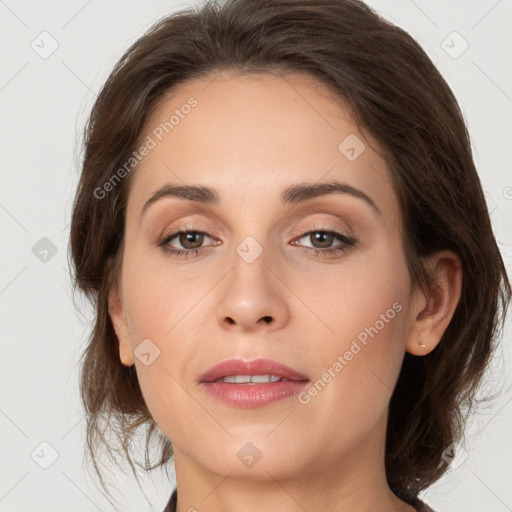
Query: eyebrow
{"type": "Point", "coordinates": [292, 194]}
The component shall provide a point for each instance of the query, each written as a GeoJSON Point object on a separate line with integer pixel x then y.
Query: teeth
{"type": "Point", "coordinates": [265, 378]}
{"type": "Point", "coordinates": [251, 379]}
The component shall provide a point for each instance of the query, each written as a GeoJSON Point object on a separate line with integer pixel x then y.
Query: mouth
{"type": "Point", "coordinates": [252, 379]}
{"type": "Point", "coordinates": [252, 384]}
{"type": "Point", "coordinates": [257, 371]}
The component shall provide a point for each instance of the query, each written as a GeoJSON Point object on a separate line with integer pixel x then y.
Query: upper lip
{"type": "Point", "coordinates": [253, 367]}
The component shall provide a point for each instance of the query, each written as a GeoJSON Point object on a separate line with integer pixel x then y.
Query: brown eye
{"type": "Point", "coordinates": [184, 242]}
{"type": "Point", "coordinates": [323, 239]}
{"type": "Point", "coordinates": [191, 240]}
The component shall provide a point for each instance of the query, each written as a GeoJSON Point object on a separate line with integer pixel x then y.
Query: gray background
{"type": "Point", "coordinates": [44, 103]}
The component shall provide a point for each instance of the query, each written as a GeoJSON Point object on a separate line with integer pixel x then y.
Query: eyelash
{"type": "Point", "coordinates": [347, 241]}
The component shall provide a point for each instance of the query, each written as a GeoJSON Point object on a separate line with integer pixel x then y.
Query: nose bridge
{"type": "Point", "coordinates": [252, 235]}
{"type": "Point", "coordinates": [250, 266]}
{"type": "Point", "coordinates": [252, 294]}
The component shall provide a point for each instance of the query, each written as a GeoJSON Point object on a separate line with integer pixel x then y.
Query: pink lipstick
{"type": "Point", "coordinates": [252, 384]}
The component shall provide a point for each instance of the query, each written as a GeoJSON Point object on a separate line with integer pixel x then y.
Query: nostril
{"type": "Point", "coordinates": [267, 319]}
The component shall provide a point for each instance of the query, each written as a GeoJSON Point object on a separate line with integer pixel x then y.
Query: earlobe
{"type": "Point", "coordinates": [118, 319]}
{"type": "Point", "coordinates": [431, 315]}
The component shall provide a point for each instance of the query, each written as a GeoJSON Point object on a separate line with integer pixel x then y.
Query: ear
{"type": "Point", "coordinates": [118, 318]}
{"type": "Point", "coordinates": [431, 315]}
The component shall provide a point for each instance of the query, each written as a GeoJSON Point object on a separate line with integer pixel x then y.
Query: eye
{"type": "Point", "coordinates": [322, 240]}
{"type": "Point", "coordinates": [191, 241]}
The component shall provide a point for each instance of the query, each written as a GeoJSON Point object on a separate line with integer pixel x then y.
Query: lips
{"type": "Point", "coordinates": [234, 367]}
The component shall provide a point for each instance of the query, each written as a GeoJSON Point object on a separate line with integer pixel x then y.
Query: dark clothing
{"type": "Point", "coordinates": [416, 503]}
{"type": "Point", "coordinates": [420, 506]}
{"type": "Point", "coordinates": [171, 506]}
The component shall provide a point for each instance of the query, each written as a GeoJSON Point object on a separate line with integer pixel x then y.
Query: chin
{"type": "Point", "coordinates": [254, 457]}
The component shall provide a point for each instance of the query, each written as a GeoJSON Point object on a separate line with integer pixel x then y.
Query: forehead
{"type": "Point", "coordinates": [254, 135]}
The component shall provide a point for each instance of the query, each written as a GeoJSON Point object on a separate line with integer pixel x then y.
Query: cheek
{"type": "Point", "coordinates": [363, 303]}
{"type": "Point", "coordinates": [159, 300]}
{"type": "Point", "coordinates": [354, 379]}
{"type": "Point", "coordinates": [357, 344]}
{"type": "Point", "coordinates": [368, 348]}
{"type": "Point", "coordinates": [164, 315]}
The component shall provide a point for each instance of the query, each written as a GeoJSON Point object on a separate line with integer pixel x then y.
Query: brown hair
{"type": "Point", "coordinates": [400, 98]}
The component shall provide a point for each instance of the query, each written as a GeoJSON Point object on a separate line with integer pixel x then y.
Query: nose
{"type": "Point", "coordinates": [253, 296]}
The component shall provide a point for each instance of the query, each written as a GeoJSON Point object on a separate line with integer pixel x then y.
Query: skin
{"type": "Point", "coordinates": [249, 138]}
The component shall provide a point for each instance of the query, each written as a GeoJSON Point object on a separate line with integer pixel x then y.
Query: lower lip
{"type": "Point", "coordinates": [253, 395]}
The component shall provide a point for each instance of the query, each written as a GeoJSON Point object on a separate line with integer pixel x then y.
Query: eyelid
{"type": "Point", "coordinates": [334, 223]}
{"type": "Point", "coordinates": [324, 227]}
{"type": "Point", "coordinates": [191, 226]}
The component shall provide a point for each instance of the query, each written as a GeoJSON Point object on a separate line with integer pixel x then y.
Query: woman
{"type": "Point", "coordinates": [297, 285]}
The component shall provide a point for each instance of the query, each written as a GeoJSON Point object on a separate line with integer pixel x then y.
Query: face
{"type": "Point", "coordinates": [314, 279]}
